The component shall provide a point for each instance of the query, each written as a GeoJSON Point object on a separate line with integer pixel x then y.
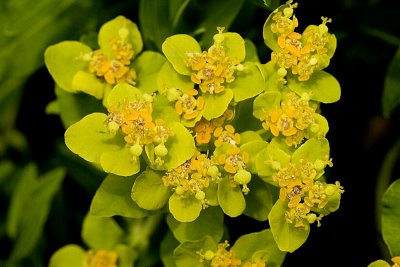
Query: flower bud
{"type": "Point", "coordinates": [160, 150]}
{"type": "Point", "coordinates": [136, 150]}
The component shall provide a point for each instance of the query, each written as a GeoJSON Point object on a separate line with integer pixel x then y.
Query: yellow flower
{"type": "Point", "coordinates": [101, 258]}
{"type": "Point", "coordinates": [226, 136]}
{"type": "Point", "coordinates": [203, 131]}
{"type": "Point", "coordinates": [222, 257]}
{"type": "Point", "coordinates": [189, 105]}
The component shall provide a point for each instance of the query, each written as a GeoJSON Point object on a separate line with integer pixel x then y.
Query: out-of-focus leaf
{"type": "Point", "coordinates": [391, 90]}
{"type": "Point", "coordinates": [34, 209]}
{"type": "Point", "coordinates": [391, 218]}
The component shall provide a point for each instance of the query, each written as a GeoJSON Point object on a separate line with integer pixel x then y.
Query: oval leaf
{"type": "Point", "coordinates": [184, 209]}
{"type": "Point", "coordinates": [67, 256]}
{"type": "Point", "coordinates": [248, 83]}
{"type": "Point", "coordinates": [391, 218]}
{"type": "Point", "coordinates": [230, 198]}
{"type": "Point", "coordinates": [216, 104]}
{"type": "Point", "coordinates": [147, 66]}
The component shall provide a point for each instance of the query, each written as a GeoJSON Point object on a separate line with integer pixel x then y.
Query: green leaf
{"type": "Point", "coordinates": [88, 83]}
{"type": "Point", "coordinates": [230, 198]}
{"type": "Point", "coordinates": [121, 92]}
{"type": "Point", "coordinates": [89, 138]}
{"type": "Point", "coordinates": [272, 79]}
{"type": "Point", "coordinates": [168, 78]}
{"type": "Point", "coordinates": [210, 223]}
{"type": "Point", "coordinates": [321, 86]}
{"type": "Point", "coordinates": [391, 89]}
{"type": "Point", "coordinates": [258, 200]}
{"type": "Point", "coordinates": [216, 104]}
{"type": "Point", "coordinates": [379, 263]}
{"type": "Point", "coordinates": [162, 109]}
{"type": "Point", "coordinates": [147, 66]}
{"type": "Point", "coordinates": [251, 51]}
{"type": "Point", "coordinates": [35, 212]}
{"type": "Point", "coordinates": [266, 102]}
{"type": "Point", "coordinates": [322, 126]}
{"type": "Point", "coordinates": [249, 136]}
{"type": "Point", "coordinates": [234, 46]}
{"type": "Point", "coordinates": [154, 22]}
{"type": "Point", "coordinates": [126, 255]}
{"type": "Point", "coordinates": [67, 256]}
{"type": "Point", "coordinates": [248, 83]}
{"type": "Point", "coordinates": [149, 191]}
{"type": "Point", "coordinates": [181, 146]}
{"type": "Point", "coordinates": [74, 107]}
{"type": "Point", "coordinates": [287, 237]}
{"type": "Point", "coordinates": [217, 13]}
{"type": "Point", "coordinates": [176, 48]}
{"type": "Point", "coordinates": [63, 60]}
{"type": "Point", "coordinates": [253, 148]}
{"type": "Point", "coordinates": [312, 150]}
{"type": "Point", "coordinates": [111, 29]}
{"type": "Point", "coordinates": [186, 253]}
{"type": "Point", "coordinates": [391, 218]}
{"type": "Point", "coordinates": [269, 160]}
{"type": "Point", "coordinates": [113, 197]}
{"type": "Point", "coordinates": [259, 243]}
{"type": "Point", "coordinates": [101, 232]}
{"type": "Point", "coordinates": [120, 162]}
{"type": "Point", "coordinates": [270, 38]}
{"type": "Point", "coordinates": [184, 209]}
{"type": "Point", "coordinates": [167, 247]}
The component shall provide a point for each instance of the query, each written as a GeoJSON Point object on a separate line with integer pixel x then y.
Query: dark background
{"type": "Point", "coordinates": [359, 135]}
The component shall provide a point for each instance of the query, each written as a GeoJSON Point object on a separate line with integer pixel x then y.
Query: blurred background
{"type": "Point", "coordinates": [39, 175]}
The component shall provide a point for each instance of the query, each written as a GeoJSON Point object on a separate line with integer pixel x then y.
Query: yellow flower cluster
{"type": "Point", "coordinates": [303, 53]}
{"type": "Point", "coordinates": [188, 105]}
{"type": "Point", "coordinates": [135, 120]}
{"type": "Point", "coordinates": [192, 177]}
{"type": "Point", "coordinates": [221, 258]}
{"type": "Point", "coordinates": [396, 261]}
{"type": "Point", "coordinates": [293, 119]}
{"type": "Point", "coordinates": [213, 68]}
{"type": "Point", "coordinates": [204, 129]}
{"type": "Point", "coordinates": [101, 258]}
{"type": "Point", "coordinates": [115, 69]}
{"type": "Point", "coordinates": [299, 187]}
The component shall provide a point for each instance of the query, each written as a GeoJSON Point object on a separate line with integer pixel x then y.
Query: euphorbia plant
{"type": "Point", "coordinates": [202, 133]}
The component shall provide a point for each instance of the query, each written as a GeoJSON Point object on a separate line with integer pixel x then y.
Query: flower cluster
{"type": "Point", "coordinates": [299, 186]}
{"type": "Point", "coordinates": [135, 120]}
{"type": "Point", "coordinates": [220, 258]}
{"type": "Point", "coordinates": [302, 53]}
{"type": "Point", "coordinates": [193, 177]}
{"type": "Point", "coordinates": [293, 119]}
{"type": "Point", "coordinates": [101, 258]}
{"type": "Point", "coordinates": [213, 68]}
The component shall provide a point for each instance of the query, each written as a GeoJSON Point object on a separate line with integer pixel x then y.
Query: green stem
{"type": "Point", "coordinates": [143, 229]}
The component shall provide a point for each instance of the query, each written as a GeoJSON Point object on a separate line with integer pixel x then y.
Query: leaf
{"type": "Point", "coordinates": [287, 237]}
{"type": "Point", "coordinates": [126, 255]}
{"type": "Point", "coordinates": [253, 148]}
{"type": "Point", "coordinates": [111, 29]}
{"type": "Point", "coordinates": [251, 51]}
{"type": "Point", "coordinates": [122, 92]}
{"type": "Point", "coordinates": [168, 78]}
{"type": "Point", "coordinates": [265, 103]}
{"type": "Point", "coordinates": [216, 104]}
{"type": "Point", "coordinates": [322, 126]}
{"type": "Point", "coordinates": [180, 146]}
{"type": "Point", "coordinates": [67, 256]}
{"type": "Point", "coordinates": [63, 61]}
{"type": "Point", "coordinates": [73, 107]}
{"type": "Point", "coordinates": [88, 83]}
{"type": "Point", "coordinates": [258, 200]}
{"type": "Point", "coordinates": [379, 263]}
{"type": "Point", "coordinates": [270, 38]}
{"type": "Point", "coordinates": [176, 48]}
{"type": "Point", "coordinates": [391, 218]}
{"type": "Point", "coordinates": [113, 197]}
{"type": "Point", "coordinates": [184, 209]}
{"type": "Point", "coordinates": [186, 253]}
{"type": "Point", "coordinates": [249, 136]}
{"type": "Point", "coordinates": [248, 83]}
{"type": "Point", "coordinates": [217, 13]}
{"type": "Point", "coordinates": [149, 191]}
{"type": "Point", "coordinates": [391, 89]}
{"type": "Point", "coordinates": [230, 198]}
{"type": "Point", "coordinates": [120, 162]}
{"type": "Point", "coordinates": [248, 245]}
{"type": "Point", "coordinates": [154, 22]}
{"type": "Point", "coordinates": [312, 150]}
{"type": "Point", "coordinates": [89, 138]}
{"type": "Point", "coordinates": [147, 66]}
{"type": "Point", "coordinates": [234, 46]}
{"type": "Point", "coordinates": [269, 160]}
{"type": "Point", "coordinates": [210, 223]}
{"type": "Point", "coordinates": [35, 212]}
{"type": "Point", "coordinates": [321, 86]}
{"type": "Point", "coordinates": [272, 79]}
{"type": "Point", "coordinates": [101, 232]}
{"type": "Point", "coordinates": [167, 247]}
